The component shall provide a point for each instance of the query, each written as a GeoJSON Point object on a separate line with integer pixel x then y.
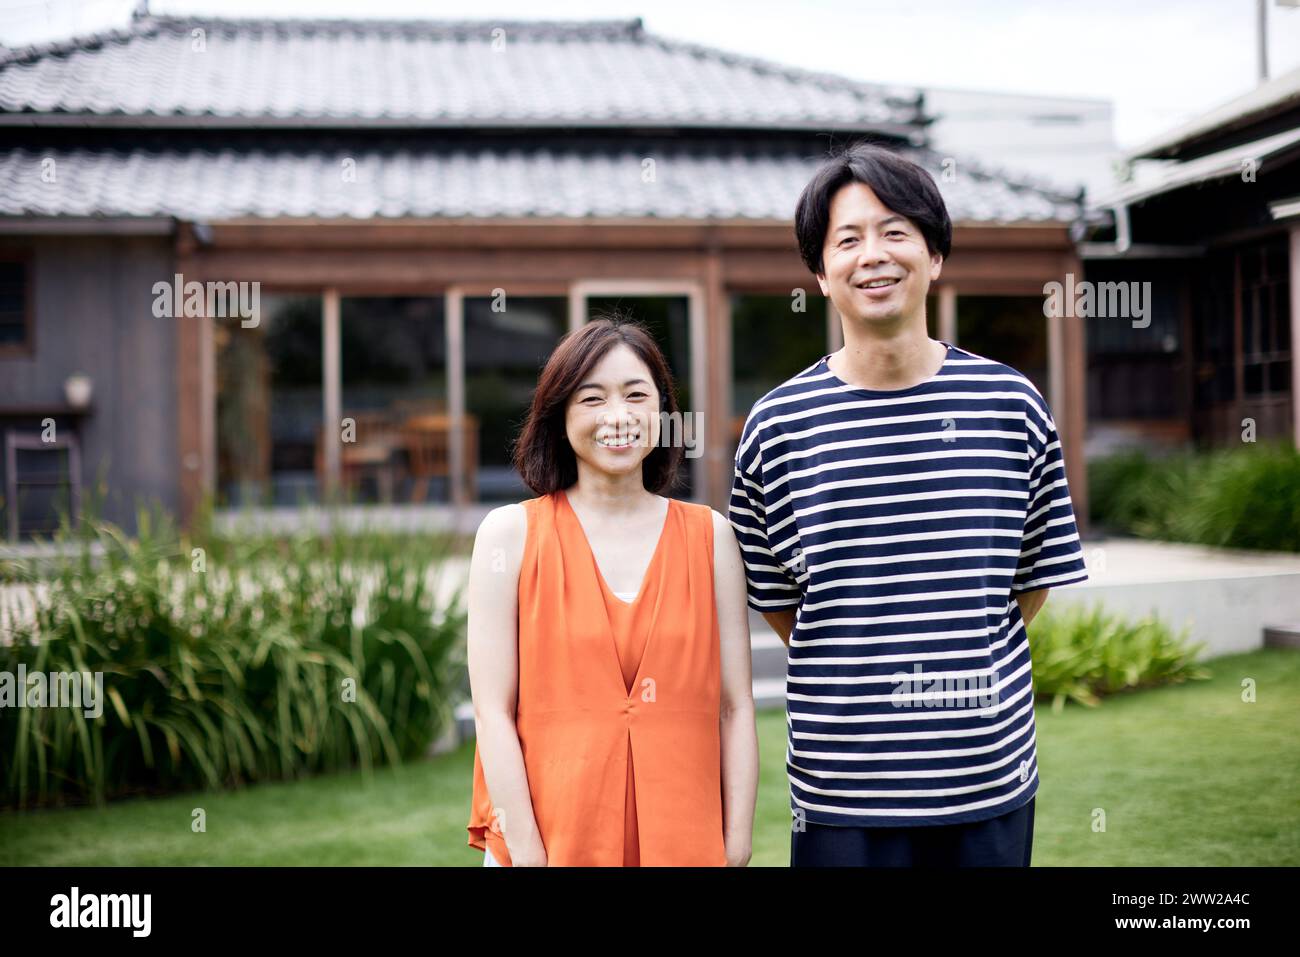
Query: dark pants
{"type": "Point", "coordinates": [1005, 841]}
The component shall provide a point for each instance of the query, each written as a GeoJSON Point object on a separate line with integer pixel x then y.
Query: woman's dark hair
{"type": "Point", "coordinates": [542, 454]}
{"type": "Point", "coordinates": [900, 184]}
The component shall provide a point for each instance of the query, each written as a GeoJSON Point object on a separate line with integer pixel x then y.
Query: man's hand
{"type": "Point", "coordinates": [1030, 602]}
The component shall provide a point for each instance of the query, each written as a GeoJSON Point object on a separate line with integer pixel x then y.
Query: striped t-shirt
{"type": "Point", "coordinates": [901, 524]}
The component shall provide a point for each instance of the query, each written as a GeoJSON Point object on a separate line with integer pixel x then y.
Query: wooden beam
{"type": "Point", "coordinates": [546, 262]}
{"type": "Point", "coordinates": [595, 233]}
{"type": "Point", "coordinates": [356, 270]}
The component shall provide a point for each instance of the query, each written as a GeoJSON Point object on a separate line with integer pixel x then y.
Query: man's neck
{"type": "Point", "coordinates": [887, 360]}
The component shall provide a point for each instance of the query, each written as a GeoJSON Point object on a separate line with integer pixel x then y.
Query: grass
{"type": "Point", "coordinates": [1186, 775]}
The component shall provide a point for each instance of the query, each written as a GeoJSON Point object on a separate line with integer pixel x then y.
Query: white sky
{"type": "Point", "coordinates": [1158, 61]}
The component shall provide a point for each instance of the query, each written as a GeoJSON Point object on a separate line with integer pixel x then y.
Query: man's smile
{"type": "Point", "coordinates": [879, 285]}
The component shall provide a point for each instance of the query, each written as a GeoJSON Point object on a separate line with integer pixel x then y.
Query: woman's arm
{"type": "Point", "coordinates": [493, 649]}
{"type": "Point", "coordinates": [739, 737]}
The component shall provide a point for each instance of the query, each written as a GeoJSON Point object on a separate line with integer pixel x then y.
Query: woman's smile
{"type": "Point", "coordinates": [621, 439]}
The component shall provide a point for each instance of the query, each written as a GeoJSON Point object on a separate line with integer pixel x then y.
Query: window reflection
{"type": "Point", "coordinates": [507, 342]}
{"type": "Point", "coordinates": [269, 404]}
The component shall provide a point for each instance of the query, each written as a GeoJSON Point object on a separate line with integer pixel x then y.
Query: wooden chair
{"type": "Point", "coordinates": [427, 439]}
{"type": "Point", "coordinates": [377, 438]}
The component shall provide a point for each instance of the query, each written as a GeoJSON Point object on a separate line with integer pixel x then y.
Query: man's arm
{"type": "Point", "coordinates": [782, 623]}
{"type": "Point", "coordinates": [1030, 602]}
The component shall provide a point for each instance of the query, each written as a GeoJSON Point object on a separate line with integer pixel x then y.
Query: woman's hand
{"type": "Point", "coordinates": [530, 853]}
{"type": "Point", "coordinates": [738, 853]}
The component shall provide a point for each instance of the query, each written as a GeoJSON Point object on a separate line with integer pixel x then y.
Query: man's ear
{"type": "Point", "coordinates": [936, 266]}
{"type": "Point", "coordinates": [821, 281]}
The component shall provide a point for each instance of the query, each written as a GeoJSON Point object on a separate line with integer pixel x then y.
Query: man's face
{"type": "Point", "coordinates": [876, 266]}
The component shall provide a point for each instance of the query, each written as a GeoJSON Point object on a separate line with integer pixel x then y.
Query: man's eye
{"type": "Point", "coordinates": [895, 232]}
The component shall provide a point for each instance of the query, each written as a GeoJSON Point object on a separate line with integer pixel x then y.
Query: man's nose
{"type": "Point", "coordinates": [872, 250]}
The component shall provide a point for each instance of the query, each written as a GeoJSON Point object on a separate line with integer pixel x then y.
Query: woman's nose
{"type": "Point", "coordinates": [616, 415]}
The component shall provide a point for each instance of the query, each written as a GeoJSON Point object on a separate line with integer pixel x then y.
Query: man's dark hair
{"type": "Point", "coordinates": [542, 454]}
{"type": "Point", "coordinates": [900, 184]}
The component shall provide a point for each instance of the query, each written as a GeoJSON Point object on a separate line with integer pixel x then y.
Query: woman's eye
{"type": "Point", "coordinates": [895, 232]}
{"type": "Point", "coordinates": [591, 398]}
{"type": "Point", "coordinates": [634, 395]}
{"type": "Point", "coordinates": [845, 242]}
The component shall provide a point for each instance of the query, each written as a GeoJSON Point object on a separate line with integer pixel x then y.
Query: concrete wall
{"type": "Point", "coordinates": [92, 313]}
{"type": "Point", "coordinates": [1225, 597]}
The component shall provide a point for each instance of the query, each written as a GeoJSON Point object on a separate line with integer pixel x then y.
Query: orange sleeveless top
{"type": "Point", "coordinates": [618, 704]}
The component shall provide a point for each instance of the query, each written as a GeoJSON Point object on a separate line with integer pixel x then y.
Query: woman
{"type": "Point", "coordinates": [608, 635]}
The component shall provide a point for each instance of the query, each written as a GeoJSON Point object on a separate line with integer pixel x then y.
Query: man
{"type": "Point", "coordinates": [902, 509]}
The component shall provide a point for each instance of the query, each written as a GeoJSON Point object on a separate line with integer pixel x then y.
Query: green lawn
{"type": "Point", "coordinates": [1186, 775]}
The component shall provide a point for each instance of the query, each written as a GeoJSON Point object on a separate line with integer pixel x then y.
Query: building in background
{"type": "Point", "coordinates": [1067, 141]}
{"type": "Point", "coordinates": [427, 208]}
{"type": "Point", "coordinates": [1213, 224]}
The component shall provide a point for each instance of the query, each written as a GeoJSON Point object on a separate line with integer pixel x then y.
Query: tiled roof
{"type": "Point", "coordinates": [385, 73]}
{"type": "Point", "coordinates": [556, 123]}
{"type": "Point", "coordinates": [691, 181]}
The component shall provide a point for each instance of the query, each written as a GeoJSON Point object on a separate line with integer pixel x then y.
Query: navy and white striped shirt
{"type": "Point", "coordinates": [901, 524]}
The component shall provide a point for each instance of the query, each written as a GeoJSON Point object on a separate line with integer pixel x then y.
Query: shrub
{"type": "Point", "coordinates": [228, 661]}
{"type": "Point", "coordinates": [1232, 498]}
{"type": "Point", "coordinates": [1084, 654]}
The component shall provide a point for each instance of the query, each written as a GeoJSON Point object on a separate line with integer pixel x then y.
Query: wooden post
{"type": "Point", "coordinates": [577, 307]}
{"type": "Point", "coordinates": [834, 328]}
{"type": "Point", "coordinates": [1238, 366]}
{"type": "Point", "coordinates": [332, 405]}
{"type": "Point", "coordinates": [455, 312]}
{"type": "Point", "coordinates": [717, 362]}
{"type": "Point", "coordinates": [701, 435]}
{"type": "Point", "coordinates": [208, 406]}
{"type": "Point", "coordinates": [190, 413]}
{"type": "Point", "coordinates": [948, 314]}
{"type": "Point", "coordinates": [1295, 333]}
{"type": "Point", "coordinates": [1067, 346]}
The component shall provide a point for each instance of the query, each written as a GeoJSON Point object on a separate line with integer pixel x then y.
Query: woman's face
{"type": "Point", "coordinates": [612, 418]}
